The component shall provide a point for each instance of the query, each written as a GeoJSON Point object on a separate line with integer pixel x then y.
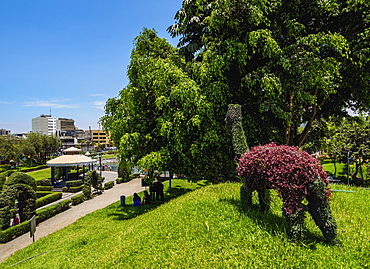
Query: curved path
{"type": "Point", "coordinates": [74, 213]}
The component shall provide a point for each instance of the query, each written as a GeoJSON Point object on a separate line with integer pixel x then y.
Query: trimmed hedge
{"type": "Point", "coordinates": [43, 182]}
{"type": "Point", "coordinates": [40, 194]}
{"type": "Point", "coordinates": [108, 185]}
{"type": "Point", "coordinates": [41, 215]}
{"type": "Point", "coordinates": [15, 231]}
{"type": "Point", "coordinates": [73, 183]}
{"type": "Point", "coordinates": [50, 211]}
{"type": "Point", "coordinates": [44, 188]}
{"type": "Point", "coordinates": [48, 199]}
{"type": "Point", "coordinates": [78, 199]}
{"type": "Point", "coordinates": [75, 189]}
{"type": "Point", "coordinates": [119, 180]}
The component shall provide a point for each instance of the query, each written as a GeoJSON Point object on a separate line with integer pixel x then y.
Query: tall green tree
{"type": "Point", "coordinates": [287, 62]}
{"type": "Point", "coordinates": [162, 120]}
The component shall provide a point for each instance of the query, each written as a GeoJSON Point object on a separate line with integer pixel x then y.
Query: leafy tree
{"type": "Point", "coordinates": [161, 120]}
{"type": "Point", "coordinates": [9, 148]}
{"type": "Point", "coordinates": [287, 62]}
{"type": "Point", "coordinates": [353, 136]}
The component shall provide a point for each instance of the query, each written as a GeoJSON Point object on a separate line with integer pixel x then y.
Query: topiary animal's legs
{"type": "Point", "coordinates": [321, 214]}
{"type": "Point", "coordinates": [245, 197]}
{"type": "Point", "coordinates": [320, 211]}
{"type": "Point", "coordinates": [264, 199]}
{"type": "Point", "coordinates": [295, 224]}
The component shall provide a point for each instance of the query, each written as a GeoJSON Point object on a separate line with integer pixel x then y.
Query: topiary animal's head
{"type": "Point", "coordinates": [288, 169]}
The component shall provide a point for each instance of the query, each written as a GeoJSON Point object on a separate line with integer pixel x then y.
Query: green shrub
{"type": "Point", "coordinates": [108, 185]}
{"type": "Point", "coordinates": [40, 194]}
{"type": "Point", "coordinates": [48, 199]}
{"type": "Point", "coordinates": [50, 211]}
{"type": "Point", "coordinates": [44, 188]}
{"type": "Point", "coordinates": [34, 168]}
{"type": "Point", "coordinates": [73, 183]}
{"type": "Point", "coordinates": [20, 178]}
{"type": "Point", "coordinates": [3, 177]}
{"type": "Point", "coordinates": [75, 189]}
{"type": "Point", "coordinates": [78, 199]}
{"type": "Point", "coordinates": [119, 180]}
{"type": "Point", "coordinates": [87, 191]}
{"type": "Point", "coordinates": [5, 214]}
{"type": "Point", "coordinates": [15, 231]}
{"type": "Point", "coordinates": [43, 182]}
{"type": "Point", "coordinates": [65, 189]}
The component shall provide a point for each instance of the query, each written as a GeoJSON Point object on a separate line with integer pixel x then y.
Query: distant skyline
{"type": "Point", "coordinates": [70, 56]}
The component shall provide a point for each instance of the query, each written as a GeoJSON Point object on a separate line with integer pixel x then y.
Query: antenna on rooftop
{"type": "Point", "coordinates": [50, 111]}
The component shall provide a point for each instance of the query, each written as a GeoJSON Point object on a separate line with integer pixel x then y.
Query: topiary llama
{"type": "Point", "coordinates": [293, 173]}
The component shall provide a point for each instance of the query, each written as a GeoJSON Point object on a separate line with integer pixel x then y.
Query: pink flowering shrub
{"type": "Point", "coordinates": [287, 169]}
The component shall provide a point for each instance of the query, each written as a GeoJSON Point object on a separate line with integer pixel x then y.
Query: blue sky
{"type": "Point", "coordinates": [70, 56]}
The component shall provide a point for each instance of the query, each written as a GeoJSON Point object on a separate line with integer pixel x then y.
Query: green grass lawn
{"type": "Point", "coordinates": [205, 228]}
{"type": "Point", "coordinates": [40, 174]}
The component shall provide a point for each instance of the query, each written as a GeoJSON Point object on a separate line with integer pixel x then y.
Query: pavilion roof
{"type": "Point", "coordinates": [71, 160]}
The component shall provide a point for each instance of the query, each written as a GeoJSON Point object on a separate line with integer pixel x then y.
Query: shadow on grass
{"type": "Point", "coordinates": [275, 224]}
{"type": "Point", "coordinates": [129, 211]}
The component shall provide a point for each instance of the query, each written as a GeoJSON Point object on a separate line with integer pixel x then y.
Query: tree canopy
{"type": "Point", "coordinates": [161, 120]}
{"type": "Point", "coordinates": [287, 62]}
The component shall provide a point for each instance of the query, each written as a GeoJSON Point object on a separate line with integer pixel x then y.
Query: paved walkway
{"type": "Point", "coordinates": [74, 213]}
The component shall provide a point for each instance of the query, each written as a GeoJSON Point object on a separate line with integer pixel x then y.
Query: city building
{"type": "Point", "coordinates": [4, 132]}
{"type": "Point", "coordinates": [45, 124]}
{"type": "Point", "coordinates": [99, 137]}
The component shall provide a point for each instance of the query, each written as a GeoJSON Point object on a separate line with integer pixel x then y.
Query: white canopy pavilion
{"type": "Point", "coordinates": [69, 160]}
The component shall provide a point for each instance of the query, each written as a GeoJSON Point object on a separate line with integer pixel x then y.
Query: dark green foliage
{"type": "Point", "coordinates": [124, 170]}
{"type": "Point", "coordinates": [295, 224]}
{"type": "Point", "coordinates": [5, 214]}
{"type": "Point", "coordinates": [40, 194]}
{"type": "Point", "coordinates": [20, 178]}
{"type": "Point", "coordinates": [51, 211]}
{"type": "Point", "coordinates": [3, 177]}
{"type": "Point", "coordinates": [87, 191]}
{"type": "Point", "coordinates": [108, 185]}
{"type": "Point", "coordinates": [78, 199]}
{"type": "Point", "coordinates": [119, 180]}
{"type": "Point", "coordinates": [234, 122]}
{"type": "Point", "coordinates": [75, 189]}
{"type": "Point", "coordinates": [93, 179]}
{"type": "Point", "coordinates": [43, 182]}
{"type": "Point", "coordinates": [47, 199]}
{"type": "Point", "coordinates": [74, 183]}
{"type": "Point", "coordinates": [15, 231]}
{"type": "Point", "coordinates": [44, 188]}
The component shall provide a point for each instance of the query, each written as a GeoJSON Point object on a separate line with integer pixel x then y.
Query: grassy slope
{"type": "Point", "coordinates": [40, 174]}
{"type": "Point", "coordinates": [203, 229]}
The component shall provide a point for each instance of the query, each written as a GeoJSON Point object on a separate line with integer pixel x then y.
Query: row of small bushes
{"type": "Point", "coordinates": [108, 185]}
{"type": "Point", "coordinates": [44, 188]}
{"type": "Point", "coordinates": [41, 215]}
{"type": "Point", "coordinates": [119, 180]}
{"type": "Point", "coordinates": [78, 199]}
{"type": "Point", "coordinates": [52, 197]}
{"type": "Point", "coordinates": [74, 183]}
{"type": "Point", "coordinates": [40, 194]}
{"type": "Point", "coordinates": [72, 189]}
{"type": "Point", "coordinates": [7, 167]}
{"type": "Point", "coordinates": [43, 182]}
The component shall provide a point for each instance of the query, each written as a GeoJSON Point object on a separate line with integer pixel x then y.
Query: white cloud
{"type": "Point", "coordinates": [99, 104]}
{"type": "Point", "coordinates": [97, 94]}
{"type": "Point", "coordinates": [6, 103]}
{"type": "Point", "coordinates": [52, 104]}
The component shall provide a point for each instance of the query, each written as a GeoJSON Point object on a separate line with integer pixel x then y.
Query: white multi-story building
{"type": "Point", "coordinates": [45, 124]}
